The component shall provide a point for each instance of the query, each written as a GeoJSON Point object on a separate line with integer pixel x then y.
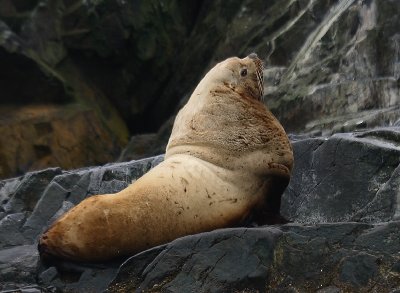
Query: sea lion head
{"type": "Point", "coordinates": [225, 121]}
{"type": "Point", "coordinates": [244, 76]}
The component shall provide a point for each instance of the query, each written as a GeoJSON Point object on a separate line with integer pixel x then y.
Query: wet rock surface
{"type": "Point", "coordinates": [344, 235]}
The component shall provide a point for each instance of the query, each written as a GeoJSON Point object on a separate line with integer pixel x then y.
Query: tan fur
{"type": "Point", "coordinates": [224, 152]}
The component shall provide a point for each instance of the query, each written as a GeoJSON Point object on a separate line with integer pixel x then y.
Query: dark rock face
{"type": "Point", "coordinates": [342, 200]}
{"type": "Point", "coordinates": [331, 65]}
{"type": "Point", "coordinates": [148, 145]}
{"type": "Point", "coordinates": [125, 52]}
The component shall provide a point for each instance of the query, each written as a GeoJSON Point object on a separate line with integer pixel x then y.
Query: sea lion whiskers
{"type": "Point", "coordinates": [259, 74]}
{"type": "Point", "coordinates": [260, 77]}
{"type": "Point", "coordinates": [260, 86]}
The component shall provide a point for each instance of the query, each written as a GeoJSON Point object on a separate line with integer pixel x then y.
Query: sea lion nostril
{"type": "Point", "coordinates": [253, 56]}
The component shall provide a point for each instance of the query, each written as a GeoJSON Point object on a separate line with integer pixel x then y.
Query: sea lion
{"type": "Point", "coordinates": [228, 158]}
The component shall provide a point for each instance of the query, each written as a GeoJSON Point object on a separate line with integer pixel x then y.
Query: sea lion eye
{"type": "Point", "coordinates": [243, 72]}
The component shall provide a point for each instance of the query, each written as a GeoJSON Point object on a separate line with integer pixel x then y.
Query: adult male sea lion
{"type": "Point", "coordinates": [227, 158]}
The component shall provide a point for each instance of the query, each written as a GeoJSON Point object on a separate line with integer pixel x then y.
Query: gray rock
{"type": "Point", "coordinates": [80, 190]}
{"type": "Point", "coordinates": [288, 258]}
{"type": "Point", "coordinates": [346, 177]}
{"type": "Point", "coordinates": [66, 206]}
{"type": "Point", "coordinates": [7, 190]}
{"type": "Point", "coordinates": [47, 206]}
{"type": "Point", "coordinates": [48, 195]}
{"type": "Point", "coordinates": [10, 234]}
{"type": "Point", "coordinates": [114, 177]}
{"type": "Point", "coordinates": [19, 265]}
{"type": "Point", "coordinates": [330, 289]}
{"type": "Point", "coordinates": [329, 76]}
{"type": "Point", "coordinates": [93, 280]}
{"type": "Point", "coordinates": [203, 263]}
{"type": "Point", "coordinates": [358, 269]}
{"type": "Point", "coordinates": [146, 145]}
{"type": "Point", "coordinates": [141, 146]}
{"type": "Point", "coordinates": [30, 289]}
{"type": "Point", "coordinates": [53, 199]}
{"type": "Point", "coordinates": [30, 189]}
{"type": "Point", "coordinates": [48, 275]}
{"type": "Point", "coordinates": [332, 66]}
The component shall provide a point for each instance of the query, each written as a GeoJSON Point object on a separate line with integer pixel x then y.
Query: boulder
{"type": "Point", "coordinates": [147, 145]}
{"type": "Point", "coordinates": [346, 177]}
{"type": "Point", "coordinates": [39, 136]}
{"type": "Point", "coordinates": [18, 265]}
{"type": "Point", "coordinates": [29, 204]}
{"type": "Point", "coordinates": [341, 201]}
{"type": "Point", "coordinates": [335, 257]}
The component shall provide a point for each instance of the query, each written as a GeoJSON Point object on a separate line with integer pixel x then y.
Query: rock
{"type": "Point", "coordinates": [93, 280]}
{"type": "Point", "coordinates": [288, 258]}
{"type": "Point", "coordinates": [147, 145]}
{"type": "Point", "coordinates": [140, 146]}
{"type": "Point", "coordinates": [103, 43]}
{"type": "Point", "coordinates": [338, 179]}
{"type": "Point", "coordinates": [75, 73]}
{"type": "Point", "coordinates": [50, 202]}
{"type": "Point", "coordinates": [358, 269]}
{"type": "Point", "coordinates": [33, 202]}
{"type": "Point", "coordinates": [323, 73]}
{"type": "Point", "coordinates": [29, 190]}
{"type": "Point", "coordinates": [31, 289]}
{"type": "Point", "coordinates": [18, 68]}
{"type": "Point", "coordinates": [353, 121]}
{"type": "Point", "coordinates": [330, 289]}
{"type": "Point", "coordinates": [18, 265]}
{"type": "Point", "coordinates": [202, 263]}
{"type": "Point", "coordinates": [346, 177]}
{"type": "Point", "coordinates": [48, 275]}
{"type": "Point", "coordinates": [66, 206]}
{"type": "Point", "coordinates": [335, 70]}
{"type": "Point", "coordinates": [10, 234]}
{"type": "Point", "coordinates": [7, 190]}
{"type": "Point", "coordinates": [53, 127]}
{"type": "Point", "coordinates": [65, 136]}
{"type": "Point", "coordinates": [332, 66]}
